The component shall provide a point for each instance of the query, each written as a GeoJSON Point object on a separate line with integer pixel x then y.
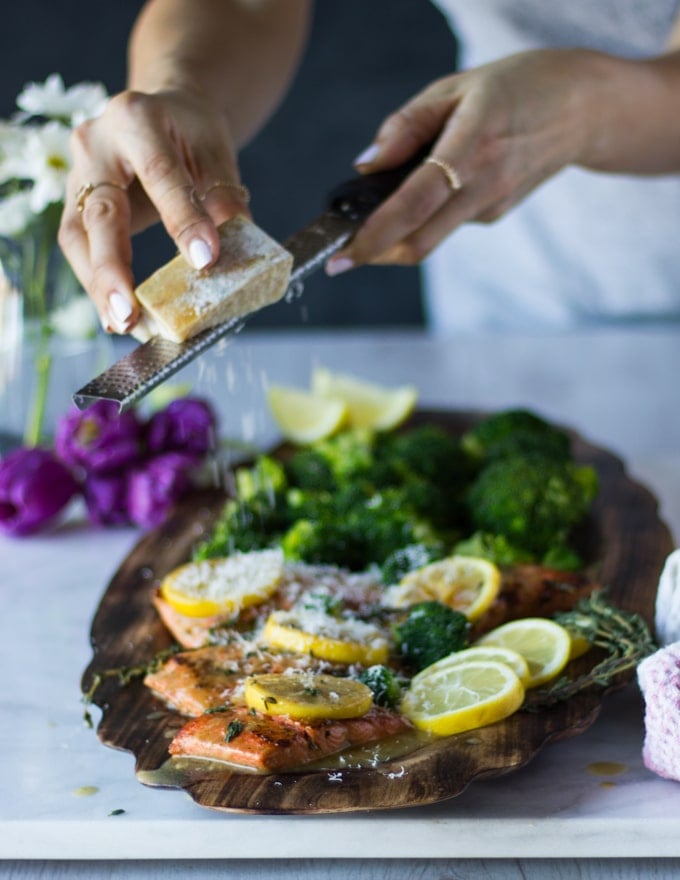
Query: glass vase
{"type": "Point", "coordinates": [50, 344]}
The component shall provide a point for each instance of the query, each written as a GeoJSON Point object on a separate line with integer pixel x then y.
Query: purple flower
{"type": "Point", "coordinates": [100, 440]}
{"type": "Point", "coordinates": [34, 487]}
{"type": "Point", "coordinates": [186, 425]}
{"type": "Point", "coordinates": [106, 498]}
{"type": "Point", "coordinates": [154, 487]}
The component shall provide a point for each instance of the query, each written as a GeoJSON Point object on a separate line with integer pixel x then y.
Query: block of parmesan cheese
{"type": "Point", "coordinates": [179, 301]}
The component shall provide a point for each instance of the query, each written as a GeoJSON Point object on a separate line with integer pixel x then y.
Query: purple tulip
{"type": "Point", "coordinates": [106, 499]}
{"type": "Point", "coordinates": [154, 487]}
{"type": "Point", "coordinates": [34, 487]}
{"type": "Point", "coordinates": [100, 440]}
{"type": "Point", "coordinates": [186, 425]}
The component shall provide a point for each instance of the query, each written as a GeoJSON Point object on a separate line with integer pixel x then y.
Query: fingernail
{"type": "Point", "coordinates": [199, 254]}
{"type": "Point", "coordinates": [368, 155]}
{"type": "Point", "coordinates": [120, 308]}
{"type": "Point", "coordinates": [336, 265]}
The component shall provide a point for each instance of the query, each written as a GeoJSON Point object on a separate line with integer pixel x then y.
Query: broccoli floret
{"type": "Point", "coordinates": [266, 477]}
{"type": "Point", "coordinates": [408, 558]}
{"type": "Point", "coordinates": [307, 469]}
{"type": "Point", "coordinates": [349, 454]}
{"type": "Point", "coordinates": [431, 631]}
{"type": "Point", "coordinates": [323, 543]}
{"type": "Point", "coordinates": [533, 501]}
{"type": "Point", "coordinates": [513, 431]}
{"type": "Point", "coordinates": [495, 548]}
{"type": "Point", "coordinates": [246, 525]}
{"type": "Point", "coordinates": [384, 684]}
{"type": "Point", "coordinates": [429, 452]}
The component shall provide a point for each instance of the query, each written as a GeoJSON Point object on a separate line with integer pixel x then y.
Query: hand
{"type": "Point", "coordinates": [504, 128]}
{"type": "Point", "coordinates": [166, 155]}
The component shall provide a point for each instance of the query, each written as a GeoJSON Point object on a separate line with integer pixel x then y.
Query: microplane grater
{"type": "Point", "coordinates": [148, 365]}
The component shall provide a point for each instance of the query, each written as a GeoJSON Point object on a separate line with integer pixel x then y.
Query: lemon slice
{"type": "Point", "coordinates": [544, 644]}
{"type": "Point", "coordinates": [370, 406]}
{"type": "Point", "coordinates": [462, 696]}
{"type": "Point", "coordinates": [223, 586]}
{"type": "Point", "coordinates": [303, 417]}
{"type": "Point", "coordinates": [326, 637]}
{"type": "Point", "coordinates": [465, 583]}
{"type": "Point", "coordinates": [308, 695]}
{"type": "Point", "coordinates": [480, 654]}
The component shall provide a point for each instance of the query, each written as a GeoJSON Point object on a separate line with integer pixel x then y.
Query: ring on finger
{"type": "Point", "coordinates": [242, 192]}
{"type": "Point", "coordinates": [449, 171]}
{"type": "Point", "coordinates": [87, 189]}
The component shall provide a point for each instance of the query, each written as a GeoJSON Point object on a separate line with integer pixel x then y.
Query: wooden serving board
{"type": "Point", "coordinates": [625, 542]}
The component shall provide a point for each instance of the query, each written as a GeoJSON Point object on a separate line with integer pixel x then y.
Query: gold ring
{"type": "Point", "coordinates": [450, 173]}
{"type": "Point", "coordinates": [88, 188]}
{"type": "Point", "coordinates": [242, 192]}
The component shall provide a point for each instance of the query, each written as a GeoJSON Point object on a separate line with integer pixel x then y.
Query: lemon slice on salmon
{"type": "Point", "coordinates": [303, 417]}
{"type": "Point", "coordinates": [462, 696]}
{"type": "Point", "coordinates": [544, 644]}
{"type": "Point", "coordinates": [465, 583]}
{"type": "Point", "coordinates": [225, 585]}
{"type": "Point", "coordinates": [369, 405]}
{"type": "Point", "coordinates": [326, 637]}
{"type": "Point", "coordinates": [308, 696]}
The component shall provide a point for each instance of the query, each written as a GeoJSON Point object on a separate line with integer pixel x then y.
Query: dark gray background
{"type": "Point", "coordinates": [365, 57]}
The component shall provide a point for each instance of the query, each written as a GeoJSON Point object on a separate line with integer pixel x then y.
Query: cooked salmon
{"type": "Point", "coordinates": [193, 682]}
{"type": "Point", "coordinates": [356, 591]}
{"type": "Point", "coordinates": [534, 591]}
{"type": "Point", "coordinates": [277, 742]}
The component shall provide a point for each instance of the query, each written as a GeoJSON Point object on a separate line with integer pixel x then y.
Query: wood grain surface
{"type": "Point", "coordinates": [625, 543]}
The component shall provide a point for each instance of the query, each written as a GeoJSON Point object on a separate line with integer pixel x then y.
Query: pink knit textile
{"type": "Point", "coordinates": [659, 680]}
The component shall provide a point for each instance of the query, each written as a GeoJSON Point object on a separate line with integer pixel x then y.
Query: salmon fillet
{"type": "Point", "coordinates": [357, 591]}
{"type": "Point", "coordinates": [277, 742]}
{"type": "Point", "coordinates": [534, 591]}
{"type": "Point", "coordinates": [193, 682]}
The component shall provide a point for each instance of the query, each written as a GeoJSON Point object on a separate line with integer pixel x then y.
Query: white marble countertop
{"type": "Point", "coordinates": [619, 389]}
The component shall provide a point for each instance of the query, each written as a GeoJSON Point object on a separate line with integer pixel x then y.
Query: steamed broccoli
{"type": "Point", "coordinates": [430, 453]}
{"type": "Point", "coordinates": [324, 543]}
{"type": "Point", "coordinates": [384, 684]}
{"type": "Point", "coordinates": [495, 548]}
{"type": "Point", "coordinates": [266, 476]}
{"type": "Point", "coordinates": [513, 432]}
{"type": "Point", "coordinates": [534, 501]}
{"type": "Point", "coordinates": [307, 469]}
{"type": "Point", "coordinates": [349, 454]}
{"type": "Point", "coordinates": [431, 631]}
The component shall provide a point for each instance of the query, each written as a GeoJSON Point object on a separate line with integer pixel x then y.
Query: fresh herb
{"type": "Point", "coordinates": [124, 674]}
{"type": "Point", "coordinates": [234, 728]}
{"type": "Point", "coordinates": [311, 691]}
{"type": "Point", "coordinates": [118, 812]}
{"type": "Point", "coordinates": [622, 634]}
{"type": "Point", "coordinates": [269, 701]}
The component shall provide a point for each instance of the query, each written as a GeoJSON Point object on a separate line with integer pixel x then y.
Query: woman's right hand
{"type": "Point", "coordinates": [168, 156]}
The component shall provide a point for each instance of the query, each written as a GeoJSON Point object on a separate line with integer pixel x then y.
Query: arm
{"type": "Point", "coordinates": [508, 126]}
{"type": "Point", "coordinates": [203, 76]}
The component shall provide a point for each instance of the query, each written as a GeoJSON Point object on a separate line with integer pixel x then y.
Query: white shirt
{"type": "Point", "coordinates": [585, 247]}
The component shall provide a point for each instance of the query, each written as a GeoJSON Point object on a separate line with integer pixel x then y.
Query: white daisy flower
{"type": "Point", "coordinates": [15, 214]}
{"type": "Point", "coordinates": [51, 99]}
{"type": "Point", "coordinates": [76, 320]}
{"type": "Point", "coordinates": [46, 160]}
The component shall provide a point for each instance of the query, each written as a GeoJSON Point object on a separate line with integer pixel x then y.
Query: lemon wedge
{"type": "Point", "coordinates": [544, 644]}
{"type": "Point", "coordinates": [326, 637]}
{"type": "Point", "coordinates": [465, 583]}
{"type": "Point", "coordinates": [372, 406]}
{"type": "Point", "coordinates": [223, 586]}
{"type": "Point", "coordinates": [304, 417]}
{"type": "Point", "coordinates": [480, 654]}
{"type": "Point", "coordinates": [308, 695]}
{"type": "Point", "coordinates": [462, 696]}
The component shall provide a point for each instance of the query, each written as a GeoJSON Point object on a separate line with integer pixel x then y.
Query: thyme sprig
{"type": "Point", "coordinates": [124, 674]}
{"type": "Point", "coordinates": [622, 634]}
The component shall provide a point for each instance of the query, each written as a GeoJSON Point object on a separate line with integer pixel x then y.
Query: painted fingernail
{"type": "Point", "coordinates": [337, 265]}
{"type": "Point", "coordinates": [368, 155]}
{"type": "Point", "coordinates": [120, 308]}
{"type": "Point", "coordinates": [199, 254]}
